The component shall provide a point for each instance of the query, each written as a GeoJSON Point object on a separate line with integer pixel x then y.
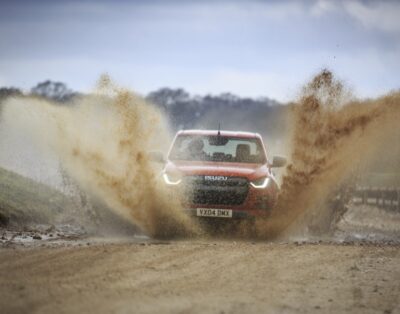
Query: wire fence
{"type": "Point", "coordinates": [387, 198]}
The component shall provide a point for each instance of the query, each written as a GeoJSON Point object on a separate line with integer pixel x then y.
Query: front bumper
{"type": "Point", "coordinates": [258, 203]}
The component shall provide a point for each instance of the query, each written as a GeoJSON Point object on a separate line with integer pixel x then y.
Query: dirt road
{"type": "Point", "coordinates": [202, 276]}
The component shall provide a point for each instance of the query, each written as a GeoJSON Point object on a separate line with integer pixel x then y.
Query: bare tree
{"type": "Point", "coordinates": [57, 91]}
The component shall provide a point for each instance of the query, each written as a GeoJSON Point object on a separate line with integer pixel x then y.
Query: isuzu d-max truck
{"type": "Point", "coordinates": [224, 174]}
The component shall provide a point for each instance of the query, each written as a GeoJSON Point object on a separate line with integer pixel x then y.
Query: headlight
{"type": "Point", "coordinates": [260, 183]}
{"type": "Point", "coordinates": [172, 179]}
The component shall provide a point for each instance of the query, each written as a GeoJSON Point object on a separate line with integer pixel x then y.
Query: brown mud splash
{"type": "Point", "coordinates": [330, 136]}
{"type": "Point", "coordinates": [103, 141]}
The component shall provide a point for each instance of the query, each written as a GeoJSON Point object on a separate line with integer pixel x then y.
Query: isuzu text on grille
{"type": "Point", "coordinates": [215, 178]}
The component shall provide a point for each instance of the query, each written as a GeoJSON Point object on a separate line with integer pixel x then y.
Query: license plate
{"type": "Point", "coordinates": [214, 212]}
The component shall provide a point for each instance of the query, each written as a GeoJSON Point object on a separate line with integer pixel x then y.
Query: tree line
{"type": "Point", "coordinates": [185, 111]}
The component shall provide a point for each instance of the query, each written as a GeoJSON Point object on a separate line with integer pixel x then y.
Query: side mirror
{"type": "Point", "coordinates": [278, 161]}
{"type": "Point", "coordinates": [156, 157]}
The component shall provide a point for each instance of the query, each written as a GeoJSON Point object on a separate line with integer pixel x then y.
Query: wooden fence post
{"type": "Point", "coordinates": [398, 200]}
{"type": "Point", "coordinates": [364, 196]}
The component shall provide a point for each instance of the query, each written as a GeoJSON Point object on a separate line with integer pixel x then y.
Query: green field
{"type": "Point", "coordinates": [25, 200]}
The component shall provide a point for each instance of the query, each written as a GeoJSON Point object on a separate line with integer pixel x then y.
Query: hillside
{"type": "Point", "coordinates": [25, 200]}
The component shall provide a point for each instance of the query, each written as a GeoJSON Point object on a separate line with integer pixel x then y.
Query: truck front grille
{"type": "Point", "coordinates": [204, 190]}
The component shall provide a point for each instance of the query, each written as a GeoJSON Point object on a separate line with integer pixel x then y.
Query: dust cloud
{"type": "Point", "coordinates": [331, 134]}
{"type": "Point", "coordinates": [103, 141]}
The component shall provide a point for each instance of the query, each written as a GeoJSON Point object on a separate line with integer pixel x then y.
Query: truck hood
{"type": "Point", "coordinates": [249, 171]}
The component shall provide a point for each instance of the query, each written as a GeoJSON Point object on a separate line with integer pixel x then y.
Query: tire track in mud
{"type": "Point", "coordinates": [201, 277]}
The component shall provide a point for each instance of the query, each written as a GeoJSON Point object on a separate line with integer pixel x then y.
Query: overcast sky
{"type": "Point", "coordinates": [249, 48]}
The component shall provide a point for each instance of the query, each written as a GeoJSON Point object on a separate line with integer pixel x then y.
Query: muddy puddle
{"type": "Point", "coordinates": [360, 225]}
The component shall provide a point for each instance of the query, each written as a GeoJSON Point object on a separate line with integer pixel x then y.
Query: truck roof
{"type": "Point", "coordinates": [238, 134]}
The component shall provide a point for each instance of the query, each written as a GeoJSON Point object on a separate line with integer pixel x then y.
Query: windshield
{"type": "Point", "coordinates": [217, 148]}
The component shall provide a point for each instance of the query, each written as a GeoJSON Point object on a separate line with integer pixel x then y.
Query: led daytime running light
{"type": "Point", "coordinates": [169, 181]}
{"type": "Point", "coordinates": [263, 185]}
